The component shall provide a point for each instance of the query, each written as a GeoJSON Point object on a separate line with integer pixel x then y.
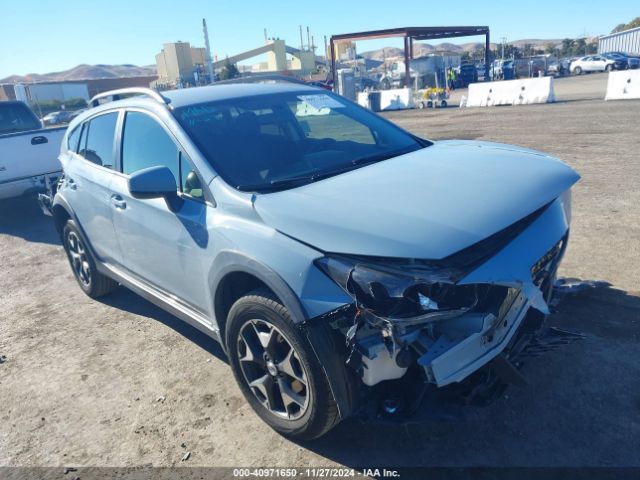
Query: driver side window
{"type": "Point", "coordinates": [145, 143]}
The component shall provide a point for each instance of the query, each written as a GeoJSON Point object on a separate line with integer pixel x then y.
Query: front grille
{"type": "Point", "coordinates": [544, 268]}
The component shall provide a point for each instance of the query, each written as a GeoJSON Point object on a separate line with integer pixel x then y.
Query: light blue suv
{"type": "Point", "coordinates": [347, 266]}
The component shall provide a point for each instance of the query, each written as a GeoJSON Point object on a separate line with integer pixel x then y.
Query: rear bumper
{"type": "Point", "coordinates": [27, 185]}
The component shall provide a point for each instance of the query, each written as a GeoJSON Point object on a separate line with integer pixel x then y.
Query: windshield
{"type": "Point", "coordinates": [278, 141]}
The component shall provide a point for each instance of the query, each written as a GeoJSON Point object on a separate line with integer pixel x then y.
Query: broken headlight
{"type": "Point", "coordinates": [402, 290]}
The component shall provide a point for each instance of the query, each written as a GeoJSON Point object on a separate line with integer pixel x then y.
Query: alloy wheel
{"type": "Point", "coordinates": [273, 370]}
{"type": "Point", "coordinates": [79, 259]}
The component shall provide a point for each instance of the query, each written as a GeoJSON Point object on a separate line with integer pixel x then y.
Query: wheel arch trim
{"type": "Point", "coordinates": [228, 262]}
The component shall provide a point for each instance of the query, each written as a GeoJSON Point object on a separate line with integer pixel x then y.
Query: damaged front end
{"type": "Point", "coordinates": [417, 325]}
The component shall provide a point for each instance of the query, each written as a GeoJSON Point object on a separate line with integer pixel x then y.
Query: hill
{"type": "Point", "coordinates": [85, 72]}
{"type": "Point", "coordinates": [420, 49]}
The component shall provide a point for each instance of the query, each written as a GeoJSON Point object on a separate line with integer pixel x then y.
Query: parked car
{"type": "Point", "coordinates": [57, 118]}
{"type": "Point", "coordinates": [28, 159]}
{"type": "Point", "coordinates": [559, 68]}
{"type": "Point", "coordinates": [75, 113]}
{"type": "Point", "coordinates": [622, 61]}
{"type": "Point", "coordinates": [347, 266]}
{"type": "Point", "coordinates": [591, 63]}
{"type": "Point", "coordinates": [481, 70]}
{"type": "Point", "coordinates": [502, 70]}
{"type": "Point", "coordinates": [466, 74]}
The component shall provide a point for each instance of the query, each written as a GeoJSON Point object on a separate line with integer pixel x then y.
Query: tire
{"type": "Point", "coordinates": [83, 266]}
{"type": "Point", "coordinates": [608, 68]}
{"type": "Point", "coordinates": [577, 71]}
{"type": "Point", "coordinates": [269, 356]}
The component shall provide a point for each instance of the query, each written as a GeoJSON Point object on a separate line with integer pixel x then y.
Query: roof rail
{"type": "Point", "coordinates": [116, 94]}
{"type": "Point", "coordinates": [261, 78]}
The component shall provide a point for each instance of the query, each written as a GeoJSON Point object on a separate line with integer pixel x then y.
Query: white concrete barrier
{"type": "Point", "coordinates": [511, 92]}
{"type": "Point", "coordinates": [394, 99]}
{"type": "Point", "coordinates": [623, 85]}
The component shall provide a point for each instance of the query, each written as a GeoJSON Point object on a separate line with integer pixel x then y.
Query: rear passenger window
{"type": "Point", "coordinates": [145, 143]}
{"type": "Point", "coordinates": [72, 140]}
{"type": "Point", "coordinates": [99, 134]}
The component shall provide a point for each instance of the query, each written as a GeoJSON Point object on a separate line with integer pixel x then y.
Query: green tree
{"type": "Point", "coordinates": [528, 50]}
{"type": "Point", "coordinates": [626, 26]}
{"type": "Point", "coordinates": [579, 47]}
{"type": "Point", "coordinates": [566, 47]}
{"type": "Point", "coordinates": [229, 71]}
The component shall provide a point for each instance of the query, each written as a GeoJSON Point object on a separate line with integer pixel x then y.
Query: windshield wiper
{"type": "Point", "coordinates": [291, 182]}
{"type": "Point", "coordinates": [383, 156]}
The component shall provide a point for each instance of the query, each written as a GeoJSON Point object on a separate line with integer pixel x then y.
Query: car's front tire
{"type": "Point", "coordinates": [83, 266]}
{"type": "Point", "coordinates": [609, 68]}
{"type": "Point", "coordinates": [577, 71]}
{"type": "Point", "coordinates": [276, 368]}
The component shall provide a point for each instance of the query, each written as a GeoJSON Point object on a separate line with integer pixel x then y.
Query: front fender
{"type": "Point", "coordinates": [230, 261]}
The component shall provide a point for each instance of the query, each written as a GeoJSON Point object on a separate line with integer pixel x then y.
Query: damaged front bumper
{"type": "Point", "coordinates": [472, 341]}
{"type": "Point", "coordinates": [453, 325]}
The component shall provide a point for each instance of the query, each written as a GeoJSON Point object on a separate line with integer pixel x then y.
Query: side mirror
{"type": "Point", "coordinates": [153, 182]}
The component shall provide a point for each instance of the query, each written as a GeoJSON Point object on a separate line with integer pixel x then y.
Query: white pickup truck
{"type": "Point", "coordinates": [28, 152]}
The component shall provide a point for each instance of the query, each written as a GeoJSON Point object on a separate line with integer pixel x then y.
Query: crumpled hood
{"type": "Point", "coordinates": [426, 204]}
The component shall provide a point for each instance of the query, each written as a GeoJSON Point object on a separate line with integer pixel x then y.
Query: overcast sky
{"type": "Point", "coordinates": [41, 36]}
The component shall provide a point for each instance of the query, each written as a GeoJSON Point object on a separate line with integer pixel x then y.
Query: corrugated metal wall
{"type": "Point", "coordinates": [626, 42]}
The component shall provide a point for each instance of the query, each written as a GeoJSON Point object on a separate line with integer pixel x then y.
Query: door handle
{"type": "Point", "coordinates": [118, 202]}
{"type": "Point", "coordinates": [39, 140]}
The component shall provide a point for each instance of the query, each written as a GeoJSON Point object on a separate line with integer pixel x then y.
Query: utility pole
{"type": "Point", "coordinates": [326, 53]}
{"type": "Point", "coordinates": [208, 51]}
{"type": "Point", "coordinates": [301, 40]}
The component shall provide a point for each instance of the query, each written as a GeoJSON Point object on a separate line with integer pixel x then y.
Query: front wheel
{"type": "Point", "coordinates": [609, 68]}
{"type": "Point", "coordinates": [91, 281]}
{"type": "Point", "coordinates": [276, 369]}
{"type": "Point", "coordinates": [577, 71]}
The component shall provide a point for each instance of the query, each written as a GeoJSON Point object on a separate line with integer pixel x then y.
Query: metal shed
{"type": "Point", "coordinates": [627, 41]}
{"type": "Point", "coordinates": [410, 34]}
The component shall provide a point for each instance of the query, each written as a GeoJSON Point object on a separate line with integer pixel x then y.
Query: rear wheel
{"type": "Point", "coordinates": [609, 68]}
{"type": "Point", "coordinates": [276, 368]}
{"type": "Point", "coordinates": [91, 281]}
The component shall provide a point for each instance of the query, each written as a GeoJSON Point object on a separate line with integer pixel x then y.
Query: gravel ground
{"type": "Point", "coordinates": [120, 382]}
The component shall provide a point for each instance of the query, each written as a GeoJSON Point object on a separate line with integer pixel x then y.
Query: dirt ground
{"type": "Point", "coordinates": [119, 382]}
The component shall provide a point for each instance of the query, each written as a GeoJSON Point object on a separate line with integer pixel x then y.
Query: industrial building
{"type": "Point", "coordinates": [67, 90]}
{"type": "Point", "coordinates": [180, 64]}
{"type": "Point", "coordinates": [627, 41]}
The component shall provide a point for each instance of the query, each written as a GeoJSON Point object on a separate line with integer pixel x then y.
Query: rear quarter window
{"type": "Point", "coordinates": [73, 138]}
{"type": "Point", "coordinates": [98, 139]}
{"type": "Point", "coordinates": [16, 117]}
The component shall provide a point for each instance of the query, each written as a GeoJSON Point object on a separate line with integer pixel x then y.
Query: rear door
{"type": "Point", "coordinates": [89, 173]}
{"type": "Point", "coordinates": [599, 64]}
{"type": "Point", "coordinates": [164, 245]}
